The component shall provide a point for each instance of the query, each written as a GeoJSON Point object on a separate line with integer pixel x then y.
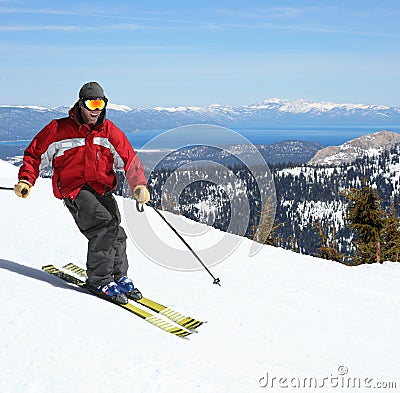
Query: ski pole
{"type": "Point", "coordinates": [141, 209]}
{"type": "Point", "coordinates": [12, 189]}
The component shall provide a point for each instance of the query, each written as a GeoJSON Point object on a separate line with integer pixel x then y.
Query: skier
{"type": "Point", "coordinates": [83, 148]}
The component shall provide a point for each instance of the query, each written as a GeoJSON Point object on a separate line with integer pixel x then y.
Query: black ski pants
{"type": "Point", "coordinates": [98, 218]}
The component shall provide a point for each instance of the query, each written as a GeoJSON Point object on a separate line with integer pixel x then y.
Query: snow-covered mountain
{"type": "Point", "coordinates": [269, 110]}
{"type": "Point", "coordinates": [280, 319]}
{"type": "Point", "coordinates": [278, 108]}
{"type": "Point", "coordinates": [367, 145]}
{"type": "Point", "coordinates": [310, 193]}
{"type": "Point", "coordinates": [303, 106]}
{"type": "Point", "coordinates": [22, 122]}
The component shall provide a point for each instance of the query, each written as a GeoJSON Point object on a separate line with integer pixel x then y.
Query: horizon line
{"type": "Point", "coordinates": [271, 100]}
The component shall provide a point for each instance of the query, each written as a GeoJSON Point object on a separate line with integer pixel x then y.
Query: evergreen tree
{"type": "Point", "coordinates": [391, 235]}
{"type": "Point", "coordinates": [266, 230]}
{"type": "Point", "coordinates": [366, 217]}
{"type": "Point", "coordinates": [329, 249]}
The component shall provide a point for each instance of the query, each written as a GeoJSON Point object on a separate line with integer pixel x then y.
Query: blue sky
{"type": "Point", "coordinates": [170, 53]}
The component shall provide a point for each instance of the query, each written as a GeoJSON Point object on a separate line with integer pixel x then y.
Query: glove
{"type": "Point", "coordinates": [141, 194]}
{"type": "Point", "coordinates": [23, 188]}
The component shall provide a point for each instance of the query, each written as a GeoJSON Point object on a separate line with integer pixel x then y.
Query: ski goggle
{"type": "Point", "coordinates": [92, 105]}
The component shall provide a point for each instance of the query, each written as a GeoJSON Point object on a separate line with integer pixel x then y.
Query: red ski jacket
{"type": "Point", "coordinates": [81, 155]}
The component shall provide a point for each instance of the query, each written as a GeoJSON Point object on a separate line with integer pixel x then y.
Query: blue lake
{"type": "Point", "coordinates": [326, 134]}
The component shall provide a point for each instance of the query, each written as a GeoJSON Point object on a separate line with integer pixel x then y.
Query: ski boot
{"type": "Point", "coordinates": [126, 286]}
{"type": "Point", "coordinates": [113, 292]}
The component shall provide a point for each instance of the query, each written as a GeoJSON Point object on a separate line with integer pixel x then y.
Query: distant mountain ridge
{"type": "Point", "coordinates": [22, 122]}
{"type": "Point", "coordinates": [367, 145]}
{"type": "Point", "coordinates": [290, 151]}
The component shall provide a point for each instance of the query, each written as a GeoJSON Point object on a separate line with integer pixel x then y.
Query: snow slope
{"type": "Point", "coordinates": [278, 317]}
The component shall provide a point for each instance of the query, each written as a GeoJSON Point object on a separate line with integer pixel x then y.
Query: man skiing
{"type": "Point", "coordinates": [83, 148]}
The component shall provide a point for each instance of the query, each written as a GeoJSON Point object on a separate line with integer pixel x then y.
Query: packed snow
{"type": "Point", "coordinates": [280, 320]}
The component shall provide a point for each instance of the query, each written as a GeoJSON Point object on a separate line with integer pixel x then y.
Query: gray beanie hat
{"type": "Point", "coordinates": [91, 90]}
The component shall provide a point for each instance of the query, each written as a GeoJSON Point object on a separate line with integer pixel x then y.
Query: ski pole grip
{"type": "Point", "coordinates": [24, 191]}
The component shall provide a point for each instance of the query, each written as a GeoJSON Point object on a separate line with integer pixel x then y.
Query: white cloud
{"type": "Point", "coordinates": [39, 28]}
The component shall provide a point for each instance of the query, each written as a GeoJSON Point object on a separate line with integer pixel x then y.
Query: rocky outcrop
{"type": "Point", "coordinates": [366, 145]}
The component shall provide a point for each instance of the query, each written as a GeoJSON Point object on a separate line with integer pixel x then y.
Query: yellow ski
{"type": "Point", "coordinates": [175, 316]}
{"type": "Point", "coordinates": [148, 317]}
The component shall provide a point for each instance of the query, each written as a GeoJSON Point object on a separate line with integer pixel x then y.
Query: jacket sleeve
{"type": "Point", "coordinates": [35, 155]}
{"type": "Point", "coordinates": [134, 170]}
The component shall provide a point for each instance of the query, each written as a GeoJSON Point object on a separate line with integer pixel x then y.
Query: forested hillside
{"type": "Point", "coordinates": [304, 195]}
